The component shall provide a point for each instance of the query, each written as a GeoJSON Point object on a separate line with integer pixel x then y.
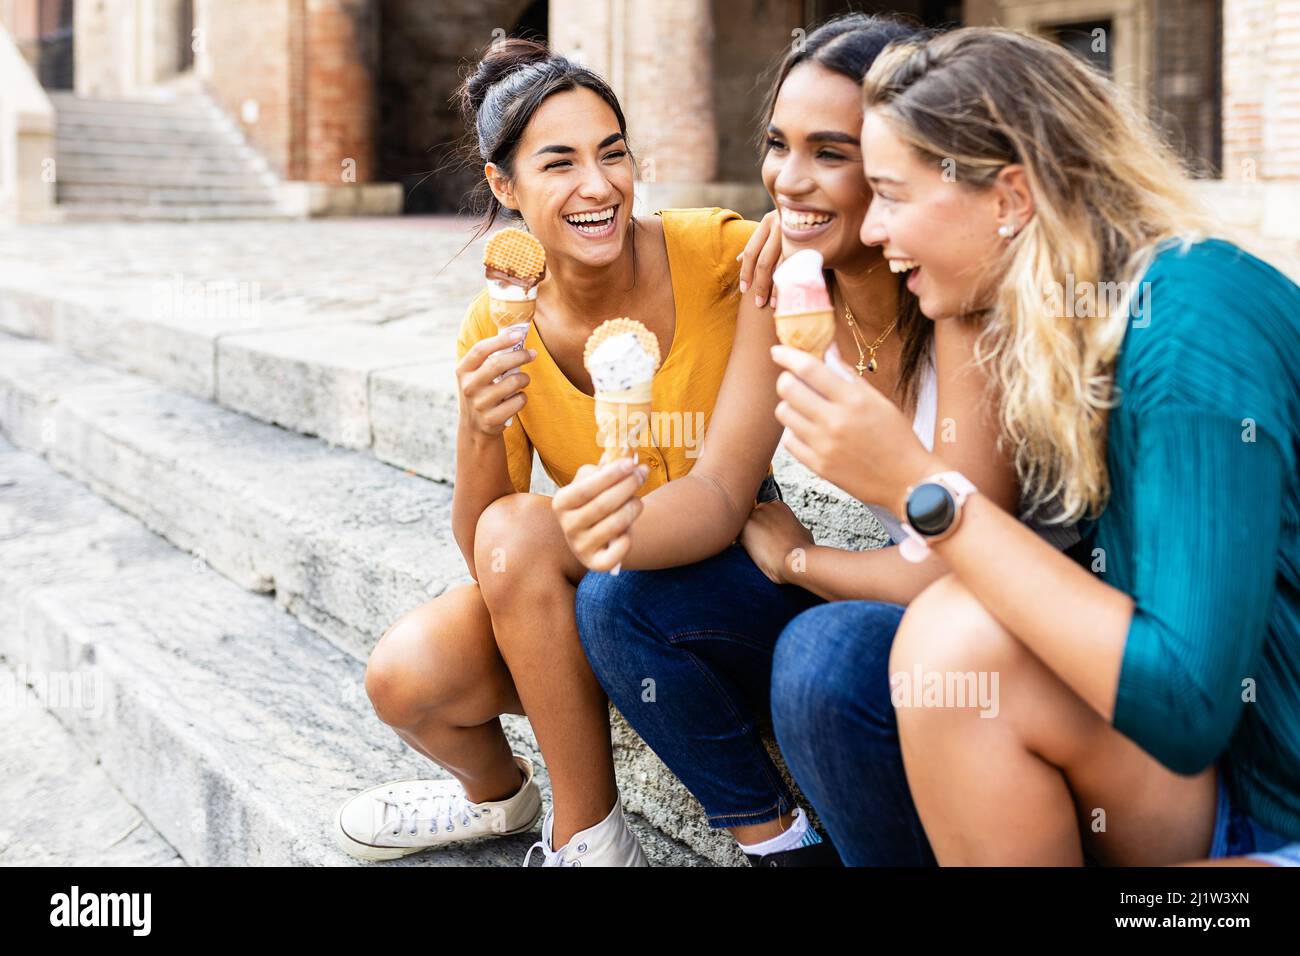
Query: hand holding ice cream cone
{"type": "Point", "coordinates": [621, 356]}
{"type": "Point", "coordinates": [596, 511]}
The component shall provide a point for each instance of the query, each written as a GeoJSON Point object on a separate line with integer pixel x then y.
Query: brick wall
{"type": "Point", "coordinates": [22, 18]}
{"type": "Point", "coordinates": [669, 74]}
{"type": "Point", "coordinates": [342, 39]}
{"type": "Point", "coordinates": [691, 75]}
{"type": "Point", "coordinates": [1261, 87]}
{"type": "Point", "coordinates": [245, 59]}
{"type": "Point", "coordinates": [308, 65]}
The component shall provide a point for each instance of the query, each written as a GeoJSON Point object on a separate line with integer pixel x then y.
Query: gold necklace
{"type": "Point", "coordinates": [865, 364]}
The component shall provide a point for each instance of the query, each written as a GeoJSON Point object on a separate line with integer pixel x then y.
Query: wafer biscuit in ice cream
{"type": "Point", "coordinates": [513, 263]}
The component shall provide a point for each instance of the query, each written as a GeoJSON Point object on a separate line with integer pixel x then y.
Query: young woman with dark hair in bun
{"type": "Point", "coordinates": [554, 149]}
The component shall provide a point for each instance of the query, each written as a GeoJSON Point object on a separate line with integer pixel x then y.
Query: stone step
{"type": "Point", "coordinates": [157, 119]}
{"type": "Point", "coordinates": [129, 211]}
{"type": "Point", "coordinates": [109, 153]}
{"type": "Point", "coordinates": [345, 542]}
{"type": "Point", "coordinates": [61, 808]}
{"type": "Point", "coordinates": [146, 160]}
{"type": "Point", "coordinates": [95, 135]}
{"type": "Point", "coordinates": [234, 729]}
{"type": "Point", "coordinates": [70, 103]}
{"type": "Point", "coordinates": [146, 176]}
{"type": "Point", "coordinates": [159, 195]}
{"type": "Point", "coordinates": [386, 387]}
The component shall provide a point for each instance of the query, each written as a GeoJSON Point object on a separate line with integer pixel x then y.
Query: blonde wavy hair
{"type": "Point", "coordinates": [1107, 191]}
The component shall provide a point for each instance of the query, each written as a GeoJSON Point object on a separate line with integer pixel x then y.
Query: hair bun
{"type": "Point", "coordinates": [501, 59]}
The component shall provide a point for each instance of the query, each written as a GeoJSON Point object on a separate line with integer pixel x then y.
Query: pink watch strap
{"type": "Point", "coordinates": [914, 547]}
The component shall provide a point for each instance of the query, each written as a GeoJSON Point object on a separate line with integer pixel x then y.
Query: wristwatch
{"type": "Point", "coordinates": [933, 512]}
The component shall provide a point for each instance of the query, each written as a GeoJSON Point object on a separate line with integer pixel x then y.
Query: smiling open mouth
{"type": "Point", "coordinates": [597, 224]}
{"type": "Point", "coordinates": [797, 220]}
{"type": "Point", "coordinates": [909, 266]}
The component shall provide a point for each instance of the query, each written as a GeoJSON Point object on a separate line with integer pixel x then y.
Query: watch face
{"type": "Point", "coordinates": [930, 509]}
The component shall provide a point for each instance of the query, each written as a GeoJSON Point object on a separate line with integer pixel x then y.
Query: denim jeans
{"type": "Point", "coordinates": [836, 727]}
{"type": "Point", "coordinates": [686, 655]}
{"type": "Point", "coordinates": [1236, 833]}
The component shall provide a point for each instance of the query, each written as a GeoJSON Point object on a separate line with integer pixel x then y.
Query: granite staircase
{"type": "Point", "coordinates": [208, 517]}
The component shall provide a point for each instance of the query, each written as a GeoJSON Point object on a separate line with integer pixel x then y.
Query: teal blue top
{"type": "Point", "coordinates": [1201, 528]}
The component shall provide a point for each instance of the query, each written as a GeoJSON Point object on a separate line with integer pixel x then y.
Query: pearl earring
{"type": "Point", "coordinates": [1006, 230]}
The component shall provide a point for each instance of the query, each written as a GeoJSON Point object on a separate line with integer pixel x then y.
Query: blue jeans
{"type": "Point", "coordinates": [836, 727]}
{"type": "Point", "coordinates": [686, 655]}
{"type": "Point", "coordinates": [1237, 834]}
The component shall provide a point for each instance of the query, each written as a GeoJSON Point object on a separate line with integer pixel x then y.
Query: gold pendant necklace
{"type": "Point", "coordinates": [865, 363]}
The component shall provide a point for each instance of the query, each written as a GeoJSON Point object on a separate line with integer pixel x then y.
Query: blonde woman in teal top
{"type": "Point", "coordinates": [1149, 691]}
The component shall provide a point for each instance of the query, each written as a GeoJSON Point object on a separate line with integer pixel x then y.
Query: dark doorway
{"type": "Point", "coordinates": [54, 46]}
{"type": "Point", "coordinates": [1187, 80]}
{"type": "Point", "coordinates": [425, 48]}
{"type": "Point", "coordinates": [185, 37]}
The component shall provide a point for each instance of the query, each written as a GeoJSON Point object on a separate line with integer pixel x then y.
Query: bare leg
{"type": "Point", "coordinates": [529, 578]}
{"type": "Point", "coordinates": [1020, 787]}
{"type": "Point", "coordinates": [758, 832]}
{"type": "Point", "coordinates": [1227, 861]}
{"type": "Point", "coordinates": [437, 679]}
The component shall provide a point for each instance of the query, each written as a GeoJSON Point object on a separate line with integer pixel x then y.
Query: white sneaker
{"type": "Point", "coordinates": [397, 819]}
{"type": "Point", "coordinates": [610, 842]}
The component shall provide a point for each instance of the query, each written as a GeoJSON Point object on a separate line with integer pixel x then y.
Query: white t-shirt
{"type": "Point", "coordinates": [923, 422]}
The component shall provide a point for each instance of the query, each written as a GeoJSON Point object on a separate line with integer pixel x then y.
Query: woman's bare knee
{"type": "Point", "coordinates": [509, 531]}
{"type": "Point", "coordinates": [518, 546]}
{"type": "Point", "coordinates": [947, 630]}
{"type": "Point", "coordinates": [434, 657]}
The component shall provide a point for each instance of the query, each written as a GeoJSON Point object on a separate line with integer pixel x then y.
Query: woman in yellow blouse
{"type": "Point", "coordinates": [552, 138]}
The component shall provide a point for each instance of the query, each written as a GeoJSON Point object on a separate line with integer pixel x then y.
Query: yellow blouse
{"type": "Point", "coordinates": [559, 420]}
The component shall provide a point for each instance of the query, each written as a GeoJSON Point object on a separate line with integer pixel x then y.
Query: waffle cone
{"type": "Point", "coordinates": [810, 332]}
{"type": "Point", "coordinates": [508, 312]}
{"type": "Point", "coordinates": [620, 424]}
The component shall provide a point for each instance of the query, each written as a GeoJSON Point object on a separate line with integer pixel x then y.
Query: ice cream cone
{"type": "Point", "coordinates": [513, 263]}
{"type": "Point", "coordinates": [810, 332]}
{"type": "Point", "coordinates": [621, 418]}
{"type": "Point", "coordinates": [622, 356]}
{"type": "Point", "coordinates": [507, 313]}
{"type": "Point", "coordinates": [804, 317]}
